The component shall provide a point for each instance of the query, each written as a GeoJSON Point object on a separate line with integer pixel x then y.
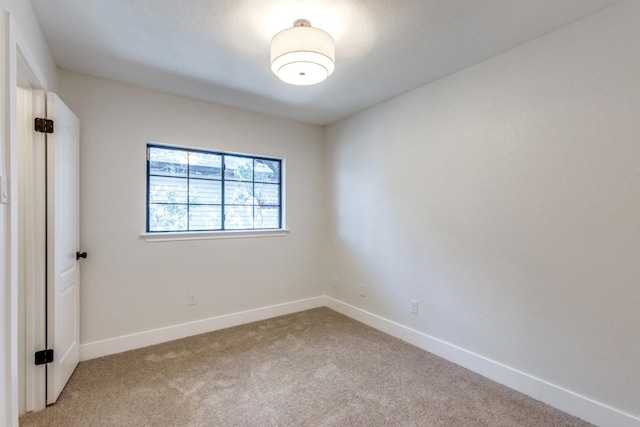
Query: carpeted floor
{"type": "Point", "coordinates": [314, 368]}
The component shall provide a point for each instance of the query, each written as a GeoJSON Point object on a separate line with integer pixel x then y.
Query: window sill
{"type": "Point", "coordinates": [207, 235]}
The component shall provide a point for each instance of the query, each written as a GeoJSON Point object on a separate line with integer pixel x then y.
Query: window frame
{"type": "Point", "coordinates": [164, 235]}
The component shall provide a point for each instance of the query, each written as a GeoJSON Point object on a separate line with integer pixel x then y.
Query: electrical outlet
{"type": "Point", "coordinates": [191, 299]}
{"type": "Point", "coordinates": [414, 306]}
{"type": "Point", "coordinates": [334, 282]}
{"type": "Point", "coordinates": [363, 294]}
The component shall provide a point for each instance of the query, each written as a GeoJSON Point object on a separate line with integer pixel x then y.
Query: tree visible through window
{"type": "Point", "coordinates": [197, 190]}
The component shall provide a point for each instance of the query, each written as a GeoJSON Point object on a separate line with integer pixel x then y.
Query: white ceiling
{"type": "Point", "coordinates": [218, 50]}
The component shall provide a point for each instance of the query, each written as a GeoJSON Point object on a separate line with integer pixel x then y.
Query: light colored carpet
{"type": "Point", "coordinates": [314, 368]}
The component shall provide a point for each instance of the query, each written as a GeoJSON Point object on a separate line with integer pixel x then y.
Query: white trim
{"type": "Point", "coordinates": [7, 409]}
{"type": "Point", "coordinates": [16, 58]}
{"type": "Point", "coordinates": [553, 395]}
{"type": "Point", "coordinates": [31, 245]}
{"type": "Point", "coordinates": [11, 214]}
{"type": "Point", "coordinates": [206, 235]}
{"type": "Point", "coordinates": [146, 338]}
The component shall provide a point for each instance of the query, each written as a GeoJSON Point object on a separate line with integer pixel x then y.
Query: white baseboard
{"type": "Point", "coordinates": [156, 336]}
{"type": "Point", "coordinates": [558, 397]}
{"type": "Point", "coordinates": [565, 400]}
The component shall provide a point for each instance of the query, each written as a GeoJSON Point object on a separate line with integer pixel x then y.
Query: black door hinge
{"type": "Point", "coordinates": [44, 356]}
{"type": "Point", "coordinates": [43, 125]}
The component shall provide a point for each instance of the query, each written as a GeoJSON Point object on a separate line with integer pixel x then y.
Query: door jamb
{"type": "Point", "coordinates": [13, 49]}
{"type": "Point", "coordinates": [32, 249]}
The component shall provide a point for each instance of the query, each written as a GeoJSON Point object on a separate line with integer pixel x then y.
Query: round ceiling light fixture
{"type": "Point", "coordinates": [302, 55]}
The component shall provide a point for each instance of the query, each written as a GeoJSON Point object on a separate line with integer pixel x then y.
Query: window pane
{"type": "Point", "coordinates": [238, 217]}
{"type": "Point", "coordinates": [238, 168]}
{"type": "Point", "coordinates": [266, 170]}
{"type": "Point", "coordinates": [167, 162]}
{"type": "Point", "coordinates": [187, 190]}
{"type": "Point", "coordinates": [167, 190]}
{"type": "Point", "coordinates": [266, 217]}
{"type": "Point", "coordinates": [167, 217]}
{"type": "Point", "coordinates": [204, 165]}
{"type": "Point", "coordinates": [205, 217]}
{"type": "Point", "coordinates": [238, 193]}
{"type": "Point", "coordinates": [205, 192]}
{"type": "Point", "coordinates": [267, 194]}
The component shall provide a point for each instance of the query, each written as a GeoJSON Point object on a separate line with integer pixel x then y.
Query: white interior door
{"type": "Point", "coordinates": [63, 238]}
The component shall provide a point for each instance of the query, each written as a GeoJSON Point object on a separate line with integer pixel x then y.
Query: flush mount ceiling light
{"type": "Point", "coordinates": [302, 55]}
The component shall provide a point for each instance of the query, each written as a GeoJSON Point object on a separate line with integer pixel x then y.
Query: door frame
{"type": "Point", "coordinates": [32, 249]}
{"type": "Point", "coordinates": [18, 61]}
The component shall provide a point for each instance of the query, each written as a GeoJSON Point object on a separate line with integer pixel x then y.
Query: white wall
{"type": "Point", "coordinates": [131, 286]}
{"type": "Point", "coordinates": [31, 41]}
{"type": "Point", "coordinates": [506, 199]}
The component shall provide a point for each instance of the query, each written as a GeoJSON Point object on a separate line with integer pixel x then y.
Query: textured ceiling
{"type": "Point", "coordinates": [218, 50]}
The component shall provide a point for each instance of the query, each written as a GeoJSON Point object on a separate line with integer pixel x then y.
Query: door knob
{"type": "Point", "coordinates": [80, 255]}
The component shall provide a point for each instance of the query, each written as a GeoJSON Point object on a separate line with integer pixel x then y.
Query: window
{"type": "Point", "coordinates": [198, 190]}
